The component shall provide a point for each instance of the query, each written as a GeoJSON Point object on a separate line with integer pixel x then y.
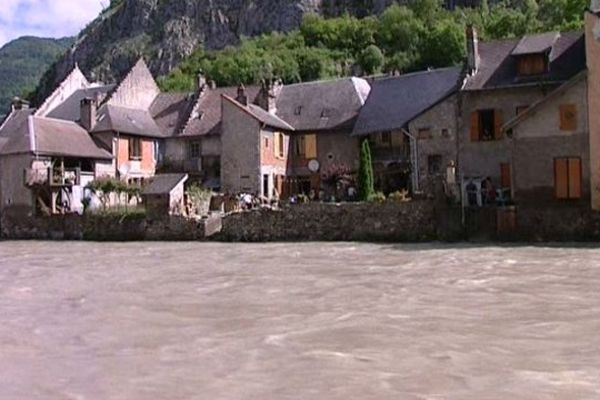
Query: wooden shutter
{"type": "Point", "coordinates": [276, 144]}
{"type": "Point", "coordinates": [505, 175]}
{"type": "Point", "coordinates": [475, 126]}
{"type": "Point", "coordinates": [561, 178]}
{"type": "Point", "coordinates": [574, 178]}
{"type": "Point", "coordinates": [310, 141]}
{"type": "Point", "coordinates": [498, 122]}
{"type": "Point", "coordinates": [568, 117]}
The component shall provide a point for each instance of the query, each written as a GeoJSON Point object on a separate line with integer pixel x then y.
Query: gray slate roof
{"type": "Point", "coordinates": [127, 121]}
{"type": "Point", "coordinates": [208, 121]}
{"type": "Point", "coordinates": [52, 137]}
{"type": "Point", "coordinates": [10, 126]}
{"type": "Point", "coordinates": [171, 111]}
{"type": "Point", "coordinates": [70, 108]}
{"type": "Point", "coordinates": [324, 105]}
{"type": "Point", "coordinates": [164, 183]}
{"type": "Point", "coordinates": [395, 101]}
{"type": "Point", "coordinates": [535, 44]}
{"type": "Point", "coordinates": [498, 66]}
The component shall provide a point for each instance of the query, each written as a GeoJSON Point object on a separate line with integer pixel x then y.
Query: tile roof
{"type": "Point", "coordinates": [267, 118]}
{"type": "Point", "coordinates": [498, 66]}
{"type": "Point", "coordinates": [171, 111]}
{"type": "Point", "coordinates": [128, 121]}
{"type": "Point", "coordinates": [395, 101]}
{"type": "Point", "coordinates": [323, 105]}
{"type": "Point", "coordinates": [70, 108]}
{"type": "Point", "coordinates": [207, 120]}
{"type": "Point", "coordinates": [164, 183]}
{"type": "Point", "coordinates": [53, 137]}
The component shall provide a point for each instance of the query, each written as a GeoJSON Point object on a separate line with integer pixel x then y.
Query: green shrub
{"type": "Point", "coordinates": [376, 197]}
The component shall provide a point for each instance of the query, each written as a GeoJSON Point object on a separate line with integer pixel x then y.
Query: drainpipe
{"type": "Point", "coordinates": [414, 147]}
{"type": "Point", "coordinates": [117, 173]}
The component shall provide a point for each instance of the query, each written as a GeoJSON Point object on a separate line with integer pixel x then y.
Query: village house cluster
{"type": "Point", "coordinates": [522, 116]}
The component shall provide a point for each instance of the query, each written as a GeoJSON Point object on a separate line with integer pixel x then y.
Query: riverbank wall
{"type": "Point", "coordinates": [416, 221]}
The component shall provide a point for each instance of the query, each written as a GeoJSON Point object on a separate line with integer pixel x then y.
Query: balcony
{"type": "Point", "coordinates": [53, 177]}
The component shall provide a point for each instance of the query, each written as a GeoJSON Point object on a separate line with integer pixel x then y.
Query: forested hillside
{"type": "Point", "coordinates": [402, 39]}
{"type": "Point", "coordinates": [23, 62]}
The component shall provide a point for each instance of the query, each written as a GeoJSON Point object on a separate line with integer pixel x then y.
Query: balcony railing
{"type": "Point", "coordinates": [53, 177]}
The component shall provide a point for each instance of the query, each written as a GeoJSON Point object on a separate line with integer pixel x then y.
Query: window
{"type": "Point", "coordinates": [567, 178]}
{"type": "Point", "coordinates": [521, 109]}
{"type": "Point", "coordinates": [298, 110]}
{"type": "Point", "coordinates": [195, 150]}
{"type": "Point", "coordinates": [424, 133]}
{"type": "Point", "coordinates": [445, 133]}
{"type": "Point", "coordinates": [568, 117]}
{"type": "Point", "coordinates": [434, 164]}
{"type": "Point", "coordinates": [532, 64]}
{"type": "Point", "coordinates": [266, 143]}
{"type": "Point", "coordinates": [326, 113]}
{"type": "Point", "coordinates": [305, 146]}
{"type": "Point", "coordinates": [486, 125]}
{"type": "Point", "coordinates": [135, 149]}
{"type": "Point", "coordinates": [386, 137]}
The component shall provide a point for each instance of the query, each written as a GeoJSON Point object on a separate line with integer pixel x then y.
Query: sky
{"type": "Point", "coordinates": [45, 18]}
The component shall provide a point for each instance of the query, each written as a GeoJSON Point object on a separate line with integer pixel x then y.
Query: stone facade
{"type": "Point", "coordinates": [240, 160]}
{"type": "Point", "coordinates": [436, 134]}
{"type": "Point", "coordinates": [538, 140]}
{"type": "Point", "coordinates": [592, 41]}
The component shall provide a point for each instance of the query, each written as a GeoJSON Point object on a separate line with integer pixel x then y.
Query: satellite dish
{"type": "Point", "coordinates": [314, 166]}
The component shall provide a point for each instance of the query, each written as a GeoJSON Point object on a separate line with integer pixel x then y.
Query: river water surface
{"type": "Point", "coordinates": [155, 321]}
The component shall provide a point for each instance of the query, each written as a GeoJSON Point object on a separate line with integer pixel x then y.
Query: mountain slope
{"type": "Point", "coordinates": [23, 62]}
{"type": "Point", "coordinates": [167, 31]}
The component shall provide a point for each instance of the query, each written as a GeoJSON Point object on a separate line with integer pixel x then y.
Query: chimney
{"type": "Point", "coordinates": [212, 85]}
{"type": "Point", "coordinates": [472, 50]}
{"type": "Point", "coordinates": [19, 104]}
{"type": "Point", "coordinates": [595, 6]}
{"type": "Point", "coordinates": [88, 113]}
{"type": "Point", "coordinates": [201, 82]}
{"type": "Point", "coordinates": [242, 97]}
{"type": "Point", "coordinates": [269, 92]}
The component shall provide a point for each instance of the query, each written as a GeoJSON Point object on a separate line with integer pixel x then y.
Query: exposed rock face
{"type": "Point", "coordinates": [166, 31]}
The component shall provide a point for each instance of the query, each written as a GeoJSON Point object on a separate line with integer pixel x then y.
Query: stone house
{"type": "Point", "coordinates": [322, 148]}
{"type": "Point", "coordinates": [194, 146]}
{"type": "Point", "coordinates": [550, 152]}
{"type": "Point", "coordinates": [255, 145]}
{"type": "Point", "coordinates": [45, 164]}
{"type": "Point", "coordinates": [592, 45]}
{"type": "Point", "coordinates": [504, 79]}
{"type": "Point", "coordinates": [411, 123]}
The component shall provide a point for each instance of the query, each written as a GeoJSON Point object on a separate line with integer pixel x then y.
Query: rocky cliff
{"type": "Point", "coordinates": [166, 31]}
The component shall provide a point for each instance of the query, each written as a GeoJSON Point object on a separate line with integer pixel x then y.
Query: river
{"type": "Point", "coordinates": [303, 321]}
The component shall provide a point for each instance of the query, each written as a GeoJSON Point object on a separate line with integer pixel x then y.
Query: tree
{"type": "Point", "coordinates": [371, 60]}
{"type": "Point", "coordinates": [365, 172]}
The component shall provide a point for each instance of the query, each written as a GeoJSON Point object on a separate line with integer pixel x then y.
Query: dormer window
{"type": "Point", "coordinates": [298, 110]}
{"type": "Point", "coordinates": [532, 64]}
{"type": "Point", "coordinates": [534, 53]}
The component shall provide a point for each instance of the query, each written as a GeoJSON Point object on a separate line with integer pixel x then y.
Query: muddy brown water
{"type": "Point", "coordinates": [298, 321]}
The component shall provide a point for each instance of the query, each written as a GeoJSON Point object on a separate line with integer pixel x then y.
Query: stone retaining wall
{"type": "Point", "coordinates": [388, 222]}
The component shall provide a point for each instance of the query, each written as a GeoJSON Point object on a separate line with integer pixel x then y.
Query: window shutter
{"type": "Point", "coordinates": [310, 142]}
{"type": "Point", "coordinates": [275, 144]}
{"type": "Point", "coordinates": [475, 126]}
{"type": "Point", "coordinates": [574, 178]}
{"type": "Point", "coordinates": [561, 178]}
{"type": "Point", "coordinates": [498, 122]}
{"type": "Point", "coordinates": [568, 117]}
